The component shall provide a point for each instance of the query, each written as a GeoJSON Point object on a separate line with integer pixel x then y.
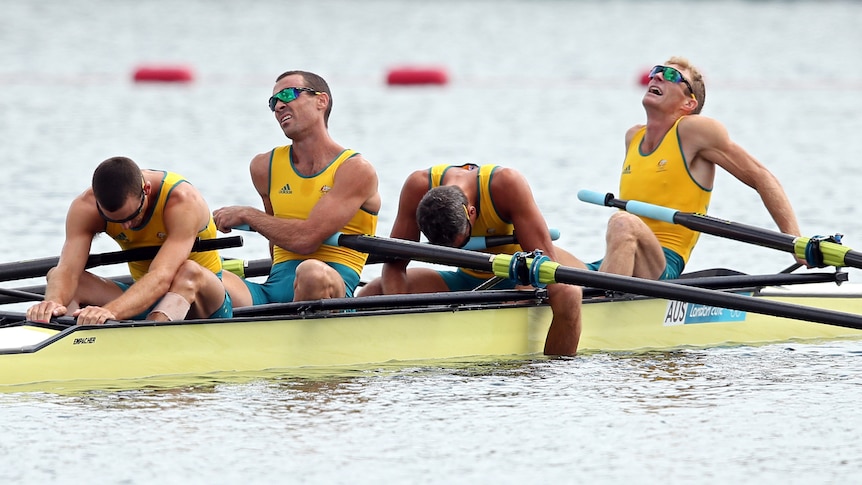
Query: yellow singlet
{"type": "Point", "coordinates": [488, 221]}
{"type": "Point", "coordinates": [152, 231]}
{"type": "Point", "coordinates": [662, 178]}
{"type": "Point", "coordinates": [294, 195]}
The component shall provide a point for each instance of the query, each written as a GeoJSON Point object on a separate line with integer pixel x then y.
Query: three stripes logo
{"type": "Point", "coordinates": [285, 189]}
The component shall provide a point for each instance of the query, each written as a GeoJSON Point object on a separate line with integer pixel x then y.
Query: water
{"type": "Point", "coordinates": [546, 87]}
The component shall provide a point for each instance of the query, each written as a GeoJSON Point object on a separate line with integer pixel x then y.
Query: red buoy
{"type": "Point", "coordinates": [417, 76]}
{"type": "Point", "coordinates": [163, 74]}
{"type": "Point", "coordinates": [645, 78]}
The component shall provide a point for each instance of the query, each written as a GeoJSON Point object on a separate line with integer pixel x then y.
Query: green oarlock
{"type": "Point", "coordinates": [833, 254]}
{"type": "Point", "coordinates": [548, 272]}
{"type": "Point", "coordinates": [500, 265]}
{"type": "Point", "coordinates": [799, 246]}
{"type": "Point", "coordinates": [235, 266]}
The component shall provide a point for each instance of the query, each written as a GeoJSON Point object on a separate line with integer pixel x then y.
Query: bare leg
{"type": "Point", "coordinates": [632, 248]}
{"type": "Point", "coordinates": [419, 280]}
{"type": "Point", "coordinates": [373, 287]}
{"type": "Point", "coordinates": [315, 280]}
{"type": "Point", "coordinates": [92, 290]}
{"type": "Point", "coordinates": [200, 287]}
{"type": "Point", "coordinates": [568, 259]}
{"type": "Point", "coordinates": [239, 294]}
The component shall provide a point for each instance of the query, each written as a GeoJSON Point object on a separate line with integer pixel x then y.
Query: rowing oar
{"type": "Point", "coordinates": [475, 242]}
{"type": "Point", "coordinates": [261, 267]}
{"type": "Point", "coordinates": [21, 295]}
{"type": "Point", "coordinates": [35, 268]}
{"type": "Point", "coordinates": [539, 270]}
{"type": "Point", "coordinates": [817, 251]}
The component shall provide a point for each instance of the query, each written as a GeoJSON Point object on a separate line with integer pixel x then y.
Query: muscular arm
{"type": "Point", "coordinates": [394, 274]}
{"type": "Point", "coordinates": [185, 214]}
{"type": "Point", "coordinates": [82, 224]}
{"type": "Point", "coordinates": [514, 200]}
{"type": "Point", "coordinates": [354, 188]}
{"type": "Point", "coordinates": [710, 142]}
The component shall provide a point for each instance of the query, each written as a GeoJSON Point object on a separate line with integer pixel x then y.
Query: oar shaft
{"type": "Point", "coordinates": [833, 254]}
{"type": "Point", "coordinates": [551, 272]}
{"type": "Point", "coordinates": [39, 267]}
{"type": "Point", "coordinates": [412, 250]}
{"type": "Point", "coordinates": [20, 295]}
{"type": "Point", "coordinates": [695, 222]}
{"type": "Point", "coordinates": [670, 291]}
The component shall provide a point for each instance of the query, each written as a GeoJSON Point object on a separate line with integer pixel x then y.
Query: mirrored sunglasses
{"type": "Point", "coordinates": [672, 75]}
{"type": "Point", "coordinates": [287, 95]}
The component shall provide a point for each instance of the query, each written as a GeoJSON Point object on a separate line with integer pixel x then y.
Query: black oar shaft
{"type": "Point", "coordinates": [827, 252]}
{"type": "Point", "coordinates": [670, 291]}
{"type": "Point", "coordinates": [562, 274]}
{"type": "Point", "coordinates": [39, 267]}
{"type": "Point", "coordinates": [721, 227]}
{"type": "Point", "coordinates": [20, 295]}
{"type": "Point", "coordinates": [736, 231]}
{"type": "Point", "coordinates": [412, 250]}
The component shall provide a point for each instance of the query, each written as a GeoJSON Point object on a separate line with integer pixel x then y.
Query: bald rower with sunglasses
{"type": "Point", "coordinates": [311, 189]}
{"type": "Point", "coordinates": [671, 161]}
{"type": "Point", "coordinates": [137, 208]}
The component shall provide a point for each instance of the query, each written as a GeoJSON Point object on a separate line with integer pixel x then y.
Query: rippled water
{"type": "Point", "coordinates": [548, 87]}
{"type": "Point", "coordinates": [743, 414]}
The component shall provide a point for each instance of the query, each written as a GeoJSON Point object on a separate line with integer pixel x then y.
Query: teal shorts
{"type": "Point", "coordinates": [461, 281]}
{"type": "Point", "coordinates": [278, 287]}
{"type": "Point", "coordinates": [224, 311]}
{"type": "Point", "coordinates": [673, 268]}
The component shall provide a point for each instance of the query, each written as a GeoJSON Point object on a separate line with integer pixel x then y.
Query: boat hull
{"type": "Point", "coordinates": [45, 357]}
{"type": "Point", "coordinates": [657, 324]}
{"type": "Point", "coordinates": [336, 342]}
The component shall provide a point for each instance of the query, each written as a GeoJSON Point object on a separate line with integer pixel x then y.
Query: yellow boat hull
{"type": "Point", "coordinates": [44, 358]}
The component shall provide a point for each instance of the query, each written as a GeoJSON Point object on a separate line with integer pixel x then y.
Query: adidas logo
{"type": "Point", "coordinates": [285, 189]}
{"type": "Point", "coordinates": [627, 169]}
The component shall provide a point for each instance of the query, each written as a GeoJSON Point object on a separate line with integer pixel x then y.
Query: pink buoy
{"type": "Point", "coordinates": [163, 74]}
{"type": "Point", "coordinates": [645, 78]}
{"type": "Point", "coordinates": [417, 76]}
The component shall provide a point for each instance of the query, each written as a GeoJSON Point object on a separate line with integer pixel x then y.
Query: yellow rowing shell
{"type": "Point", "coordinates": [135, 354]}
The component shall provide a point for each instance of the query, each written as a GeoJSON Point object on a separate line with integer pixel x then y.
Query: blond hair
{"type": "Point", "coordinates": [696, 80]}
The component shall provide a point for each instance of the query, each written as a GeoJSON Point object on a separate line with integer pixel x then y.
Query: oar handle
{"type": "Point", "coordinates": [644, 209]}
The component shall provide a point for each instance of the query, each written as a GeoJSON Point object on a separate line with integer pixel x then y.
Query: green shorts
{"type": "Point", "coordinates": [278, 287]}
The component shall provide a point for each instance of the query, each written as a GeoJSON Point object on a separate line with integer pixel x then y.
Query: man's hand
{"type": "Point", "coordinates": [93, 315]}
{"type": "Point", "coordinates": [229, 217]}
{"type": "Point", "coordinates": [44, 311]}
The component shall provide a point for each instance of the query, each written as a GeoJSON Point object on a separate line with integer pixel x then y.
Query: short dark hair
{"type": "Point", "coordinates": [441, 216]}
{"type": "Point", "coordinates": [315, 82]}
{"type": "Point", "coordinates": [114, 181]}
